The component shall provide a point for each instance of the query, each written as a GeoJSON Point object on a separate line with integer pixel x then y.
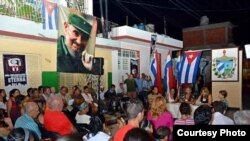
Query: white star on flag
{"type": "Point", "coordinates": [190, 56]}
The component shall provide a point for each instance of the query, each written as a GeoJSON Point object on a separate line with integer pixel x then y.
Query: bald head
{"type": "Point", "coordinates": [31, 109]}
{"type": "Point", "coordinates": [55, 103]}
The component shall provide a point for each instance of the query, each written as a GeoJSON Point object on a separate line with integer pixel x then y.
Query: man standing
{"type": "Point", "coordinates": [31, 112]}
{"type": "Point", "coordinates": [131, 86]}
{"type": "Point", "coordinates": [71, 53]}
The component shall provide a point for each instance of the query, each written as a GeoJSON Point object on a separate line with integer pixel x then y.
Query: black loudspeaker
{"type": "Point", "coordinates": [97, 66]}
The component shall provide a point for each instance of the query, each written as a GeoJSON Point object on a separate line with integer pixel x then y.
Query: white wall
{"type": "Point", "coordinates": [234, 89]}
{"type": "Point", "coordinates": [16, 25]}
{"type": "Point", "coordinates": [144, 35]}
{"type": "Point", "coordinates": [115, 73]}
{"type": "Point", "coordinates": [144, 55]}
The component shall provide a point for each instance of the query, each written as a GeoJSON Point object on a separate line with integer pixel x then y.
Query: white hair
{"type": "Point", "coordinates": [242, 117]}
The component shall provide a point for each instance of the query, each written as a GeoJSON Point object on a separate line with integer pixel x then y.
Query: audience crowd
{"type": "Point", "coordinates": [77, 114]}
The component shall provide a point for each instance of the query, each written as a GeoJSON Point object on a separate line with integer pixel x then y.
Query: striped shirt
{"type": "Point", "coordinates": [25, 121]}
{"type": "Point", "coordinates": [184, 122]}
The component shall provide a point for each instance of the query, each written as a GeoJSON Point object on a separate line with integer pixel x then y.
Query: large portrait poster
{"type": "Point", "coordinates": [76, 41]}
{"type": "Point", "coordinates": [14, 72]}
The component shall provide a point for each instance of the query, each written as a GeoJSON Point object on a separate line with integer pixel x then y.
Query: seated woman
{"type": "Point", "coordinates": [5, 124]}
{"type": "Point", "coordinates": [205, 97]}
{"type": "Point", "coordinates": [188, 96]}
{"type": "Point", "coordinates": [88, 98]}
{"type": "Point", "coordinates": [154, 93]}
{"type": "Point", "coordinates": [171, 97]}
{"type": "Point", "coordinates": [3, 100]}
{"type": "Point", "coordinates": [13, 109]}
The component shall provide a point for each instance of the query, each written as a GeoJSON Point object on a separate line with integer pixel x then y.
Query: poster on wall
{"type": "Point", "coordinates": [14, 72]}
{"type": "Point", "coordinates": [76, 41]}
{"type": "Point", "coordinates": [134, 67]}
{"type": "Point", "coordinates": [225, 64]}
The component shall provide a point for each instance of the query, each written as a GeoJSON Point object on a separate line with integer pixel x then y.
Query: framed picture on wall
{"type": "Point", "coordinates": [225, 64]}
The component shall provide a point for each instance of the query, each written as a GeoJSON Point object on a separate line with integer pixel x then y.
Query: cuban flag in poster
{"type": "Point", "coordinates": [189, 66]}
{"type": "Point", "coordinates": [153, 68]}
{"type": "Point", "coordinates": [50, 15]}
{"type": "Point", "coordinates": [168, 73]}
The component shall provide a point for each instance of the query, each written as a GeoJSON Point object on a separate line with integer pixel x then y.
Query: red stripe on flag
{"type": "Point", "coordinates": [158, 80]}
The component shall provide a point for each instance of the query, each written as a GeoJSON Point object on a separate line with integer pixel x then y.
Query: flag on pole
{"type": "Point", "coordinates": [178, 68]}
{"type": "Point", "coordinates": [152, 66]}
{"type": "Point", "coordinates": [158, 79]}
{"type": "Point", "coordinates": [50, 15]}
{"type": "Point", "coordinates": [168, 73]}
{"type": "Point", "coordinates": [189, 66]}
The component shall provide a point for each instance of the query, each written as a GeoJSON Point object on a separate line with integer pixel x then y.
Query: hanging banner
{"type": "Point", "coordinates": [14, 70]}
{"type": "Point", "coordinates": [76, 41]}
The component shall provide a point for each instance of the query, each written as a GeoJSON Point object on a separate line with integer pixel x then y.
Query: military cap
{"type": "Point", "coordinates": [80, 23]}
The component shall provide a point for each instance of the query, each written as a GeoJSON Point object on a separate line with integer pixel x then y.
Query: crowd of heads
{"type": "Point", "coordinates": [146, 119]}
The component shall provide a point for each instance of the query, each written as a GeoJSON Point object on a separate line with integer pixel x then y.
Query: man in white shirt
{"type": "Point", "coordinates": [218, 116]}
{"type": "Point", "coordinates": [81, 116]}
{"type": "Point", "coordinates": [86, 95]}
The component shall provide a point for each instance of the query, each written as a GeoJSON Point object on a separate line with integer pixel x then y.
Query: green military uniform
{"type": "Point", "coordinates": [65, 62]}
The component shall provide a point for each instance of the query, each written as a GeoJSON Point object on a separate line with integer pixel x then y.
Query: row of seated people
{"type": "Point", "coordinates": [205, 96]}
{"type": "Point", "coordinates": [57, 122]}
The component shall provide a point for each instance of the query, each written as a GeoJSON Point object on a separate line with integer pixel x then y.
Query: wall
{"type": "Point", "coordinates": [126, 31]}
{"type": "Point", "coordinates": [234, 89]}
{"type": "Point", "coordinates": [40, 56]}
{"type": "Point", "coordinates": [144, 55]}
{"type": "Point", "coordinates": [45, 52]}
{"type": "Point", "coordinates": [212, 34]}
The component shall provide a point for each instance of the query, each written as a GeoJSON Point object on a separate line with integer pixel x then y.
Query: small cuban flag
{"type": "Point", "coordinates": [50, 15]}
{"type": "Point", "coordinates": [189, 66]}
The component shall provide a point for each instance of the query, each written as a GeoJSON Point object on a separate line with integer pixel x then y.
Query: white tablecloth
{"type": "Point", "coordinates": [174, 109]}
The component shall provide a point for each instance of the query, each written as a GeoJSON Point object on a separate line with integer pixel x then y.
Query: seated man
{"type": "Point", "coordinates": [54, 118]}
{"type": "Point", "coordinates": [31, 111]}
{"type": "Point", "coordinates": [202, 115]}
{"type": "Point", "coordinates": [218, 116]}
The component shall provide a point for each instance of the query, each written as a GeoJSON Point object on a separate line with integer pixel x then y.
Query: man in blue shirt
{"type": "Point", "coordinates": [31, 111]}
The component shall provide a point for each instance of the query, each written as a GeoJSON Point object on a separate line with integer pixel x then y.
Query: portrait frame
{"type": "Point", "coordinates": [225, 65]}
{"type": "Point", "coordinates": [76, 41]}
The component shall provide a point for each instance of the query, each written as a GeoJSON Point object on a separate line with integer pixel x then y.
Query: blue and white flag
{"type": "Point", "coordinates": [168, 73]}
{"type": "Point", "coordinates": [189, 66]}
{"type": "Point", "coordinates": [153, 61]}
{"type": "Point", "coordinates": [50, 15]}
{"type": "Point", "coordinates": [153, 69]}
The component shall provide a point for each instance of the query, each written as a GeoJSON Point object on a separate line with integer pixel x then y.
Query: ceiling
{"type": "Point", "coordinates": [180, 14]}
